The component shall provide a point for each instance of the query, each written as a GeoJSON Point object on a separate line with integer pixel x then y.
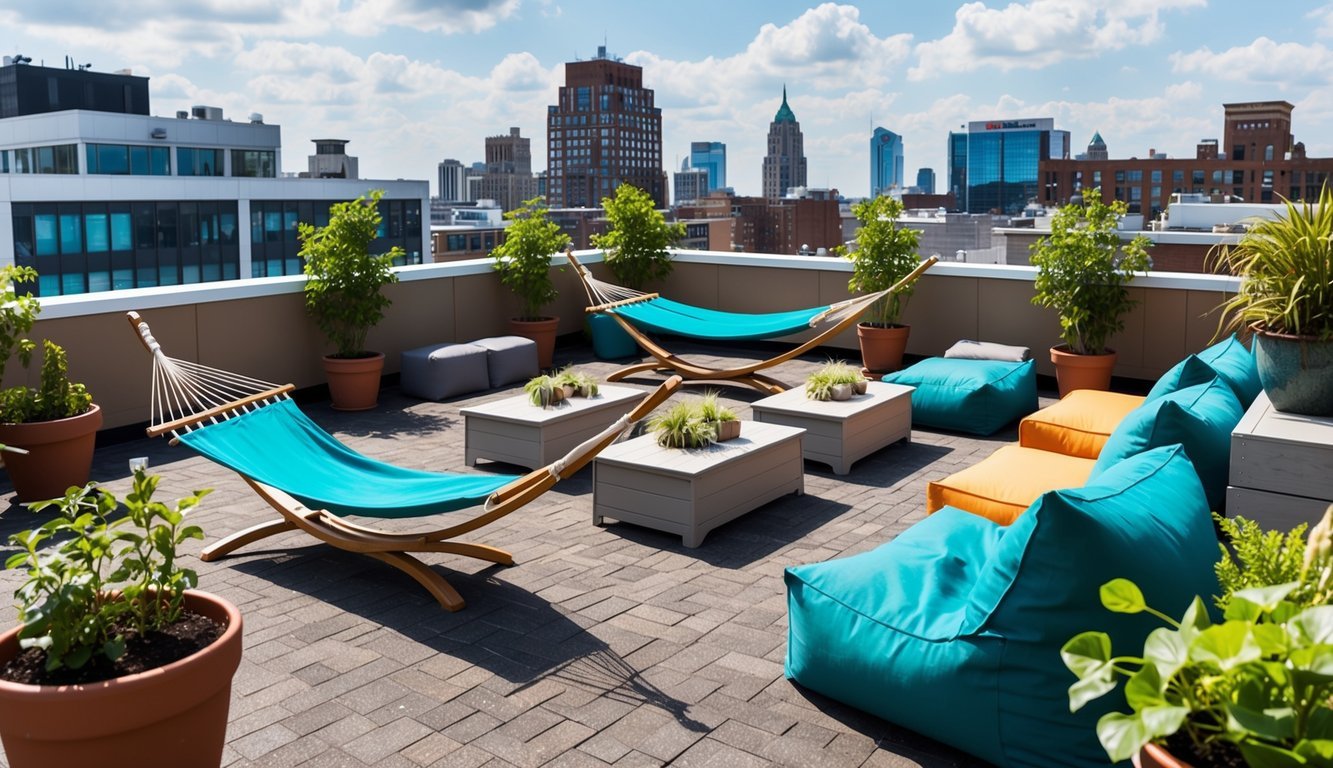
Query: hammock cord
{"type": "Point", "coordinates": [182, 388]}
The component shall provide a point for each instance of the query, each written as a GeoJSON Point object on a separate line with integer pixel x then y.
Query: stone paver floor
{"type": "Point", "coordinates": [601, 646]}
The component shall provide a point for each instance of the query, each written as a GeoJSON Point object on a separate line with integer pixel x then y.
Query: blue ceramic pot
{"type": "Point", "coordinates": [1296, 372]}
{"type": "Point", "coordinates": [609, 340]}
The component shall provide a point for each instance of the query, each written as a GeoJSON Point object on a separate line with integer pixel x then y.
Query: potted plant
{"type": "Point", "coordinates": [682, 426]}
{"type": "Point", "coordinates": [1286, 296]}
{"type": "Point", "coordinates": [1082, 270]}
{"type": "Point", "coordinates": [725, 424]}
{"type": "Point", "coordinates": [884, 254]}
{"type": "Point", "coordinates": [636, 253]}
{"type": "Point", "coordinates": [56, 422]}
{"type": "Point", "coordinates": [836, 380]}
{"type": "Point", "coordinates": [524, 263]}
{"type": "Point", "coordinates": [1254, 689]}
{"type": "Point", "coordinates": [577, 382]}
{"type": "Point", "coordinates": [343, 295]}
{"type": "Point", "coordinates": [118, 660]}
{"type": "Point", "coordinates": [544, 391]}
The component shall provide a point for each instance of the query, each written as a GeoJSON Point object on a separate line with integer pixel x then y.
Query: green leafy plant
{"type": "Point", "coordinates": [712, 410]}
{"type": "Point", "coordinates": [1286, 271]}
{"type": "Point", "coordinates": [55, 397]}
{"type": "Point", "coordinates": [343, 280]}
{"type": "Point", "coordinates": [1260, 682]}
{"type": "Point", "coordinates": [544, 390]}
{"type": "Point", "coordinates": [103, 577]}
{"type": "Point", "coordinates": [1082, 270]}
{"type": "Point", "coordinates": [819, 385]}
{"type": "Point", "coordinates": [683, 426]}
{"type": "Point", "coordinates": [1254, 557]}
{"type": "Point", "coordinates": [583, 383]}
{"type": "Point", "coordinates": [884, 254]}
{"type": "Point", "coordinates": [636, 245]}
{"type": "Point", "coordinates": [524, 258]}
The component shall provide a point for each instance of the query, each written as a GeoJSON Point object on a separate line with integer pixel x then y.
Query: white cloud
{"type": "Point", "coordinates": [370, 17]}
{"type": "Point", "coordinates": [1262, 61]}
{"type": "Point", "coordinates": [1323, 17]}
{"type": "Point", "coordinates": [1040, 33]}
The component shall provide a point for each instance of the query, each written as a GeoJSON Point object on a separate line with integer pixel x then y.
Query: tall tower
{"type": "Point", "coordinates": [605, 131]}
{"type": "Point", "coordinates": [711, 156]}
{"type": "Point", "coordinates": [886, 162]}
{"type": "Point", "coordinates": [453, 180]}
{"type": "Point", "coordinates": [784, 165]}
{"type": "Point", "coordinates": [1097, 148]}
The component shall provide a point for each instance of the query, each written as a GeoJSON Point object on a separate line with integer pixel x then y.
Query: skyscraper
{"type": "Point", "coordinates": [605, 131]}
{"type": "Point", "coordinates": [925, 180]}
{"type": "Point", "coordinates": [784, 165]}
{"type": "Point", "coordinates": [508, 179]}
{"type": "Point", "coordinates": [1001, 160]}
{"type": "Point", "coordinates": [886, 161]}
{"type": "Point", "coordinates": [690, 184]}
{"type": "Point", "coordinates": [453, 180]}
{"type": "Point", "coordinates": [710, 156]}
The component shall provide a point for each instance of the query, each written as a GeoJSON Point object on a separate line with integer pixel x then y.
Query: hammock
{"type": "Point", "coordinates": [637, 313]}
{"type": "Point", "coordinates": [312, 480]}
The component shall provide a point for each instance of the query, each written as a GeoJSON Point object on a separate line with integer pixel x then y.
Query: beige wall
{"type": "Point", "coordinates": [262, 330]}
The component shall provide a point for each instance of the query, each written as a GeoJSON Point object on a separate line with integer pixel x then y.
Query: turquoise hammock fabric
{"type": "Point", "coordinates": [667, 316]}
{"type": "Point", "coordinates": [278, 445]}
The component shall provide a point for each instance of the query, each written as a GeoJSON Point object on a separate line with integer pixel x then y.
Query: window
{"type": "Point", "coordinates": [198, 161]}
{"type": "Point", "coordinates": [253, 163]}
{"type": "Point", "coordinates": [1268, 152]}
{"type": "Point", "coordinates": [63, 158]}
{"type": "Point", "coordinates": [95, 232]}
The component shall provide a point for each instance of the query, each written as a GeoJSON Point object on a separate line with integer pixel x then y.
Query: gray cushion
{"type": "Point", "coordinates": [987, 350]}
{"type": "Point", "coordinates": [509, 359]}
{"type": "Point", "coordinates": [438, 371]}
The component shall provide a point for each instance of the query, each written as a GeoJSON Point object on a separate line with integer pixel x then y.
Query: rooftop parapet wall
{"type": "Point", "coordinates": [259, 327]}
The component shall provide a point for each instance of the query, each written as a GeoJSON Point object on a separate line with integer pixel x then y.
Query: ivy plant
{"type": "Point", "coordinates": [102, 576]}
{"type": "Point", "coordinates": [884, 254]}
{"type": "Point", "coordinates": [524, 258]}
{"type": "Point", "coordinates": [343, 279]}
{"type": "Point", "coordinates": [1082, 270]}
{"type": "Point", "coordinates": [636, 245]}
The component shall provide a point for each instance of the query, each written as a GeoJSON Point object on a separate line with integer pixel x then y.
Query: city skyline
{"type": "Point", "coordinates": [410, 85]}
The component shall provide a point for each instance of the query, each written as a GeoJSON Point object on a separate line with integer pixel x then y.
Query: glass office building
{"type": "Point", "coordinates": [1000, 161]}
{"type": "Point", "coordinates": [710, 156]}
{"type": "Point", "coordinates": [886, 161]}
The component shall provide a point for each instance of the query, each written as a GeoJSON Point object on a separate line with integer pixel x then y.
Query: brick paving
{"type": "Point", "coordinates": [601, 646]}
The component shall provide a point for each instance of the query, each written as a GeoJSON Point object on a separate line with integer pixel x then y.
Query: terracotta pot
{"type": "Point", "coordinates": [1296, 372]}
{"type": "Point", "coordinates": [1154, 756]}
{"type": "Point", "coordinates": [882, 347]}
{"type": "Point", "coordinates": [172, 716]}
{"type": "Point", "coordinates": [543, 332]}
{"type": "Point", "coordinates": [354, 382]}
{"type": "Point", "coordinates": [1073, 371]}
{"type": "Point", "coordinates": [727, 430]}
{"type": "Point", "coordinates": [60, 454]}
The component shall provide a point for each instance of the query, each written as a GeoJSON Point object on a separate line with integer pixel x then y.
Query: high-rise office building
{"type": "Point", "coordinates": [886, 162]}
{"type": "Point", "coordinates": [605, 131]}
{"type": "Point", "coordinates": [925, 181]}
{"type": "Point", "coordinates": [784, 165]}
{"type": "Point", "coordinates": [509, 153]}
{"type": "Point", "coordinates": [453, 180]}
{"type": "Point", "coordinates": [508, 178]}
{"type": "Point", "coordinates": [689, 184]}
{"type": "Point", "coordinates": [710, 156]}
{"type": "Point", "coordinates": [1097, 148]}
{"type": "Point", "coordinates": [999, 162]}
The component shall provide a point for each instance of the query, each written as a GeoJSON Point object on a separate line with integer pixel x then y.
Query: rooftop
{"type": "Point", "coordinates": [612, 645]}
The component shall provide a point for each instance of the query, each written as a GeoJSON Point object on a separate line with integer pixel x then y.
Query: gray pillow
{"type": "Point", "coordinates": [988, 350]}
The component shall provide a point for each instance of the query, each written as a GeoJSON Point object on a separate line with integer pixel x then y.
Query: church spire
{"type": "Point", "coordinates": [784, 114]}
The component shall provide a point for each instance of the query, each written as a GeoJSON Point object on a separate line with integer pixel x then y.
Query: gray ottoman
{"type": "Point", "coordinates": [438, 371]}
{"type": "Point", "coordinates": [509, 359]}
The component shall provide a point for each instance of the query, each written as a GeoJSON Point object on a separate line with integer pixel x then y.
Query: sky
{"type": "Point", "coordinates": [411, 82]}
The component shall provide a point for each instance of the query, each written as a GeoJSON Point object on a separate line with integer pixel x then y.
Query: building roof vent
{"type": "Point", "coordinates": [201, 112]}
{"type": "Point", "coordinates": [182, 114]}
{"type": "Point", "coordinates": [255, 117]}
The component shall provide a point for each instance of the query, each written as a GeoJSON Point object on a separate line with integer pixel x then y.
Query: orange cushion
{"type": "Point", "coordinates": [1003, 485]}
{"type": "Point", "coordinates": [1079, 424]}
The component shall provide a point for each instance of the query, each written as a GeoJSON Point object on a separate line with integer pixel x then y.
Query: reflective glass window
{"type": "Point", "coordinates": [95, 231]}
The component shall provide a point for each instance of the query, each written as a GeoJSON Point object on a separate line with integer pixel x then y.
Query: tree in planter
{"type": "Point", "coordinates": [343, 279]}
{"type": "Point", "coordinates": [636, 245]}
{"type": "Point", "coordinates": [343, 295]}
{"type": "Point", "coordinates": [56, 422]}
{"type": "Point", "coordinates": [1082, 270]}
{"type": "Point", "coordinates": [885, 253]}
{"type": "Point", "coordinates": [524, 263]}
{"type": "Point", "coordinates": [524, 258]}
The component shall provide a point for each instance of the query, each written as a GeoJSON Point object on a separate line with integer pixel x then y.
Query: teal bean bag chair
{"type": "Point", "coordinates": [1228, 359]}
{"type": "Point", "coordinates": [954, 628]}
{"type": "Point", "coordinates": [974, 396]}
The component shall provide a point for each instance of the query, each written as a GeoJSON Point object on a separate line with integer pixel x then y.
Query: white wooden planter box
{"type": "Point", "coordinates": [1281, 467]}
{"type": "Point", "coordinates": [838, 433]}
{"type": "Point", "coordinates": [514, 430]}
{"type": "Point", "coordinates": [691, 492]}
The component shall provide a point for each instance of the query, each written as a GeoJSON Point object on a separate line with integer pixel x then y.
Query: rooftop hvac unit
{"type": "Point", "coordinates": [159, 133]}
{"type": "Point", "coordinates": [255, 117]}
{"type": "Point", "coordinates": [182, 114]}
{"type": "Point", "coordinates": [206, 113]}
